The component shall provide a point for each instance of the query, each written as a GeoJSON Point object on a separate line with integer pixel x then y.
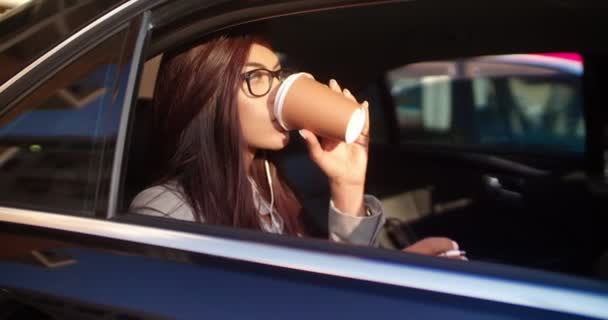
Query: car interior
{"type": "Point", "coordinates": [526, 204]}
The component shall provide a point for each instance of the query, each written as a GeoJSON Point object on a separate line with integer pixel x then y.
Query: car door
{"type": "Point", "coordinates": [70, 253]}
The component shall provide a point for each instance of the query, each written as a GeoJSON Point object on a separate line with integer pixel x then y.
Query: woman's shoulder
{"type": "Point", "coordinates": [165, 200]}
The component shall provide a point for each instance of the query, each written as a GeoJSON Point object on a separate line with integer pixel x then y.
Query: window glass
{"type": "Point", "coordinates": [520, 102]}
{"type": "Point", "coordinates": [29, 28]}
{"type": "Point", "coordinates": [56, 145]}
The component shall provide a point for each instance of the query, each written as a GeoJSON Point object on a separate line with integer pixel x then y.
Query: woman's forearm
{"type": "Point", "coordinates": [348, 199]}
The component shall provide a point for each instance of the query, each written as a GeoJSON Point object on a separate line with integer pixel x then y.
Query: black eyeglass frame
{"type": "Point", "coordinates": [280, 74]}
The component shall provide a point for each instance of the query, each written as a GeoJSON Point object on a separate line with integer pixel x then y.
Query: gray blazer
{"type": "Point", "coordinates": [168, 201]}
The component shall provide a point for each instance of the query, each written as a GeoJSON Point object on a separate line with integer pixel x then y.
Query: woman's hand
{"type": "Point", "coordinates": [344, 164]}
{"type": "Point", "coordinates": [440, 247]}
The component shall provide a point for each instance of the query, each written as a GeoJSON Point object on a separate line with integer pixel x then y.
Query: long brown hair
{"type": "Point", "coordinates": [200, 142]}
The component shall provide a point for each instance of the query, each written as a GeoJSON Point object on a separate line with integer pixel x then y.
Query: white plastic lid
{"type": "Point", "coordinates": [282, 93]}
{"type": "Point", "coordinates": [355, 125]}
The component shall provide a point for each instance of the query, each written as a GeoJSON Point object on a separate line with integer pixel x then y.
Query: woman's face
{"type": "Point", "coordinates": [259, 126]}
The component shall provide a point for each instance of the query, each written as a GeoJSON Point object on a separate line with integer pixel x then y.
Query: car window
{"type": "Point", "coordinates": [56, 144]}
{"type": "Point", "coordinates": [502, 103]}
{"type": "Point", "coordinates": [29, 28]}
{"type": "Point", "coordinates": [519, 102]}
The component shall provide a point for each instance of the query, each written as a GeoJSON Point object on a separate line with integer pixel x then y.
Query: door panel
{"type": "Point", "coordinates": [112, 277]}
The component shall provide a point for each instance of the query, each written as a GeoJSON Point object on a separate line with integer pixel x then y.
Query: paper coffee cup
{"type": "Point", "coordinates": [303, 103]}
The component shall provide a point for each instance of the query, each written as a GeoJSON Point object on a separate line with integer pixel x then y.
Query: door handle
{"type": "Point", "coordinates": [504, 187]}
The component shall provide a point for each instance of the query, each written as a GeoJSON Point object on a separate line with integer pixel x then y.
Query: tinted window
{"type": "Point", "coordinates": [29, 30]}
{"type": "Point", "coordinates": [56, 145]}
{"type": "Point", "coordinates": [520, 102]}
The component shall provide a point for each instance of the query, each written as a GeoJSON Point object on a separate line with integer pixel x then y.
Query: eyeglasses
{"type": "Point", "coordinates": [259, 81]}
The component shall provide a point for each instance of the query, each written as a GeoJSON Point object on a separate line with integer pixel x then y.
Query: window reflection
{"type": "Point", "coordinates": [56, 145]}
{"type": "Point", "coordinates": [29, 28]}
{"type": "Point", "coordinates": [517, 101]}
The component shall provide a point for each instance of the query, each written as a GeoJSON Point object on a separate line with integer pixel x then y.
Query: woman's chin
{"type": "Point", "coordinates": [276, 141]}
{"type": "Point", "coordinates": [284, 140]}
{"type": "Point", "coordinates": [281, 142]}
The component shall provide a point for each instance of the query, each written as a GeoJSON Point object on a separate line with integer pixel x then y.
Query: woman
{"type": "Point", "coordinates": [213, 123]}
